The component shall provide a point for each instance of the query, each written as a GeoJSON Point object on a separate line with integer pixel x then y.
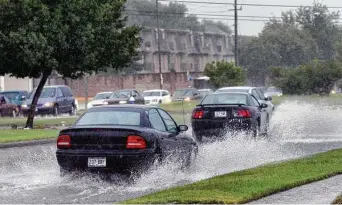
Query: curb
{"type": "Point", "coordinates": [26, 143]}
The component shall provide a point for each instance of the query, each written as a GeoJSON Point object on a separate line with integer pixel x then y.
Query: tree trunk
{"type": "Point", "coordinates": [29, 122]}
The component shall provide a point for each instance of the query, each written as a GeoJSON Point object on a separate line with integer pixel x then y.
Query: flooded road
{"type": "Point", "coordinates": [31, 174]}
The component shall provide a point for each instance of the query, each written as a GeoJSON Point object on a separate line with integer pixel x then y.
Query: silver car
{"type": "Point", "coordinates": [254, 91]}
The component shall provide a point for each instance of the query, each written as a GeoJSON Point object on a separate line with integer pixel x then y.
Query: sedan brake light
{"type": "Point", "coordinates": [135, 142]}
{"type": "Point", "coordinates": [198, 114]}
{"type": "Point", "coordinates": [243, 113]}
{"type": "Point", "coordinates": [63, 141]}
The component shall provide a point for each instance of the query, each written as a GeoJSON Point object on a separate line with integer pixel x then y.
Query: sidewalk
{"type": "Point", "coordinates": [322, 192]}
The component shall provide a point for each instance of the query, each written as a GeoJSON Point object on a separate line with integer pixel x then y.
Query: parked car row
{"type": "Point", "coordinates": [54, 100]}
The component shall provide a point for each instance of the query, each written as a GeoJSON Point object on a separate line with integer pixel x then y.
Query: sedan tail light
{"type": "Point", "coordinates": [63, 141]}
{"type": "Point", "coordinates": [198, 114]}
{"type": "Point", "coordinates": [243, 113]}
{"type": "Point", "coordinates": [135, 142]}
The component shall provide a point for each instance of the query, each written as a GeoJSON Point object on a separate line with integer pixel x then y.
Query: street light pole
{"type": "Point", "coordinates": [236, 32]}
{"type": "Point", "coordinates": [159, 54]}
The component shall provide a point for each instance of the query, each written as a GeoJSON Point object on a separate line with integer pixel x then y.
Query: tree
{"type": "Point", "coordinates": [315, 77]}
{"type": "Point", "coordinates": [171, 16]}
{"type": "Point", "coordinates": [224, 74]}
{"type": "Point", "coordinates": [296, 38]}
{"type": "Point", "coordinates": [74, 38]}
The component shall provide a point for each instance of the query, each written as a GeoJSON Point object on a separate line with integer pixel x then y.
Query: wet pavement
{"type": "Point", "coordinates": [31, 174]}
{"type": "Point", "coordinates": [322, 192]}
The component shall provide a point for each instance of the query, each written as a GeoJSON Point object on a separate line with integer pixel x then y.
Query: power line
{"type": "Point", "coordinates": [249, 4]}
{"type": "Point", "coordinates": [201, 14]}
{"type": "Point", "coordinates": [209, 18]}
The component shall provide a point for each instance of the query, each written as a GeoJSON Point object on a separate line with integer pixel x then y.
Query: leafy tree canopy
{"type": "Point", "coordinates": [297, 38]}
{"type": "Point", "coordinates": [73, 37]}
{"type": "Point", "coordinates": [224, 74]}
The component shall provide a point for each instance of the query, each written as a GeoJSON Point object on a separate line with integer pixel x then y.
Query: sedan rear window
{"type": "Point", "coordinates": [226, 99]}
{"type": "Point", "coordinates": [110, 117]}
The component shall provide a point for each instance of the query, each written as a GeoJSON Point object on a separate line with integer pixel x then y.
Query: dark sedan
{"type": "Point", "coordinates": [126, 96]}
{"type": "Point", "coordinates": [220, 113]}
{"type": "Point", "coordinates": [123, 139]}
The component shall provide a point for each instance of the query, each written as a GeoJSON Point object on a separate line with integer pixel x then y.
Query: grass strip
{"type": "Point", "coordinates": [338, 200]}
{"type": "Point", "coordinates": [38, 121]}
{"type": "Point", "coordinates": [26, 135]}
{"type": "Point", "coordinates": [252, 184]}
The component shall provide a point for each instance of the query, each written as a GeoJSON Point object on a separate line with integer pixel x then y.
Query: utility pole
{"type": "Point", "coordinates": [159, 54]}
{"type": "Point", "coordinates": [236, 32]}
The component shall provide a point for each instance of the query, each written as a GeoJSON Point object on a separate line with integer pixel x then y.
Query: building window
{"type": "Point", "coordinates": [183, 67]}
{"type": "Point", "coordinates": [219, 49]}
{"type": "Point", "coordinates": [171, 46]}
{"type": "Point", "coordinates": [147, 44]}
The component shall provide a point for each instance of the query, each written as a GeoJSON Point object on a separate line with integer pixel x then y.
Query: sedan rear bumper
{"type": "Point", "coordinates": [218, 128]}
{"type": "Point", "coordinates": [116, 161]}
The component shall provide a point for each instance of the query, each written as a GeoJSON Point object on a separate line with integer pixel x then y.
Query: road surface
{"type": "Point", "coordinates": [31, 174]}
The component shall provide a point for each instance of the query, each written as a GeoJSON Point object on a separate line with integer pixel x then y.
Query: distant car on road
{"type": "Point", "coordinates": [205, 92]}
{"type": "Point", "coordinates": [16, 96]}
{"type": "Point", "coordinates": [126, 96]}
{"type": "Point", "coordinates": [262, 98]}
{"type": "Point", "coordinates": [99, 99]}
{"type": "Point", "coordinates": [155, 97]}
{"type": "Point", "coordinates": [53, 100]}
{"type": "Point", "coordinates": [7, 107]}
{"type": "Point", "coordinates": [273, 91]}
{"type": "Point", "coordinates": [186, 94]}
{"type": "Point", "coordinates": [123, 139]}
{"type": "Point", "coordinates": [230, 111]}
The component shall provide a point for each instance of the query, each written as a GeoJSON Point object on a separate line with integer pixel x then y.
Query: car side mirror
{"type": "Point", "coordinates": [264, 105]}
{"type": "Point", "coordinates": [183, 128]}
{"type": "Point", "coordinates": [268, 98]}
{"type": "Point", "coordinates": [23, 97]}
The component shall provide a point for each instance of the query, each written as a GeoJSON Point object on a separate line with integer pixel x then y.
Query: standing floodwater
{"type": "Point", "coordinates": [31, 174]}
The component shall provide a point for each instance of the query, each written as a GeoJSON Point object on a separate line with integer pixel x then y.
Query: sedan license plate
{"type": "Point", "coordinates": [97, 162]}
{"type": "Point", "coordinates": [221, 114]}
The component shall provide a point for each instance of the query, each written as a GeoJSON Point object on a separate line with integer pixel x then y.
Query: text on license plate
{"type": "Point", "coordinates": [220, 114]}
{"type": "Point", "coordinates": [97, 162]}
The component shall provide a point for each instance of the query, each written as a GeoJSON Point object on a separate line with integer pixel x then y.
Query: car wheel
{"type": "Point", "coordinates": [73, 110]}
{"type": "Point", "coordinates": [191, 158]}
{"type": "Point", "coordinates": [160, 102]}
{"type": "Point", "coordinates": [256, 130]}
{"type": "Point", "coordinates": [199, 139]}
{"type": "Point", "coordinates": [55, 110]}
{"type": "Point", "coordinates": [267, 127]}
{"type": "Point", "coordinates": [14, 113]}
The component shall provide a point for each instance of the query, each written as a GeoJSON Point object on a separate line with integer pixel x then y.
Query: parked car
{"type": "Point", "coordinates": [16, 97]}
{"type": "Point", "coordinates": [229, 111]}
{"type": "Point", "coordinates": [155, 97]}
{"type": "Point", "coordinates": [53, 100]}
{"type": "Point", "coordinates": [256, 93]}
{"type": "Point", "coordinates": [205, 92]}
{"type": "Point", "coordinates": [123, 139]}
{"type": "Point", "coordinates": [7, 108]}
{"type": "Point", "coordinates": [125, 97]}
{"type": "Point", "coordinates": [273, 91]}
{"type": "Point", "coordinates": [99, 99]}
{"type": "Point", "coordinates": [186, 94]}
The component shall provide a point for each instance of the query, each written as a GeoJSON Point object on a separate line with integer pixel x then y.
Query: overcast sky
{"type": "Point", "coordinates": [248, 27]}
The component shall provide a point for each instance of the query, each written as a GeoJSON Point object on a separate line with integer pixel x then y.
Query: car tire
{"type": "Point", "coordinates": [14, 114]}
{"type": "Point", "coordinates": [266, 133]}
{"type": "Point", "coordinates": [160, 102]}
{"type": "Point", "coordinates": [256, 130]}
{"type": "Point", "coordinates": [191, 158]}
{"type": "Point", "coordinates": [73, 110]}
{"type": "Point", "coordinates": [55, 111]}
{"type": "Point", "coordinates": [198, 139]}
